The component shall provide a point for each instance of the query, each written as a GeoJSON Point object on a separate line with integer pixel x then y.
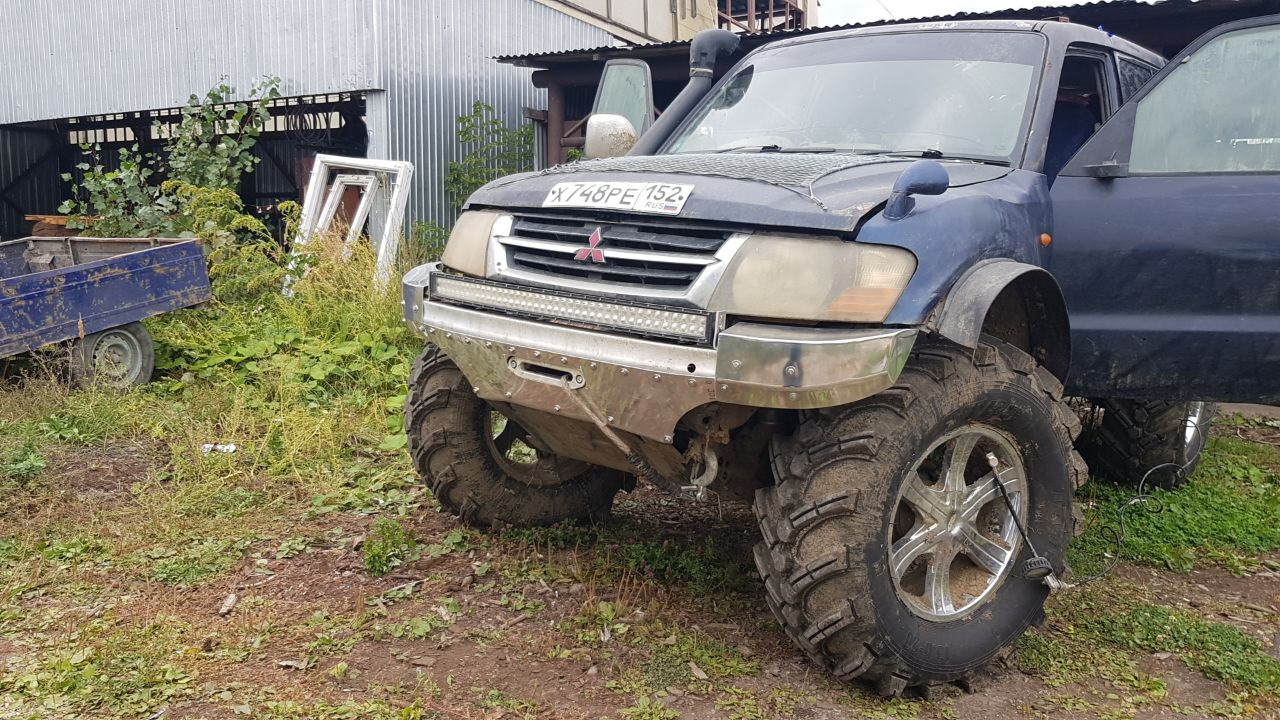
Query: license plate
{"type": "Point", "coordinates": [659, 198]}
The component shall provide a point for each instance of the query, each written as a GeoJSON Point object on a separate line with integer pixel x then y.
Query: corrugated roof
{"type": "Point", "coordinates": [755, 39]}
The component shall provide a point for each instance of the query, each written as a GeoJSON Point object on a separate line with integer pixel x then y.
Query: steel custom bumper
{"type": "Point", "coordinates": [642, 386]}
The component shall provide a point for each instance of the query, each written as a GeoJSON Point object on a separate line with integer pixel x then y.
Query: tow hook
{"type": "Point", "coordinates": [701, 482]}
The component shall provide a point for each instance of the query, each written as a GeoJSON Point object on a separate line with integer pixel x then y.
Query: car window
{"type": "Point", "coordinates": [900, 92]}
{"type": "Point", "coordinates": [1133, 75]}
{"type": "Point", "coordinates": [1082, 105]}
{"type": "Point", "coordinates": [1218, 111]}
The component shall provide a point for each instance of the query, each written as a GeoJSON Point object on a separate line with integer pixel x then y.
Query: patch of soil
{"type": "Point", "coordinates": [1264, 434]}
{"type": "Point", "coordinates": [75, 476]}
{"type": "Point", "coordinates": [98, 473]}
{"type": "Point", "coordinates": [1251, 602]}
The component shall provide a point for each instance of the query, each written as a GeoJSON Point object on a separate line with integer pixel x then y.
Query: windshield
{"type": "Point", "coordinates": [963, 94]}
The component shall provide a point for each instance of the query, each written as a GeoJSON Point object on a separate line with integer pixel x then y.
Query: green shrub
{"type": "Point", "coordinates": [388, 545]}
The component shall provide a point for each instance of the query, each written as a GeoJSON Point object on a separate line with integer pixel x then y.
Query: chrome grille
{"type": "Point", "coordinates": [639, 254]}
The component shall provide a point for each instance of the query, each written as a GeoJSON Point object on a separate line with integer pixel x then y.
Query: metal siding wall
{"type": "Point", "coordinates": [39, 192]}
{"type": "Point", "coordinates": [433, 58]}
{"type": "Point", "coordinates": [88, 57]}
{"type": "Point", "coordinates": [437, 62]}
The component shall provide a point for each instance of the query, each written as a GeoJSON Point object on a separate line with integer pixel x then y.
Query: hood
{"type": "Point", "coordinates": [821, 191]}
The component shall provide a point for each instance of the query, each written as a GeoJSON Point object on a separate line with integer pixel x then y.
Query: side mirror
{"type": "Point", "coordinates": [922, 177]}
{"type": "Point", "coordinates": [626, 89]}
{"type": "Point", "coordinates": [608, 136]}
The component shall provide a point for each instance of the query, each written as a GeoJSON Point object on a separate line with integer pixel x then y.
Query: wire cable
{"type": "Point", "coordinates": [1118, 532]}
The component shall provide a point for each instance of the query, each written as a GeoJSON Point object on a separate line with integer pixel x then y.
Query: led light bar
{"type": "Point", "coordinates": [545, 304]}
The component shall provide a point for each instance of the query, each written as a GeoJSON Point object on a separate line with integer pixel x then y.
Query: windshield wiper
{"type": "Point", "coordinates": [935, 154]}
{"type": "Point", "coordinates": [775, 149]}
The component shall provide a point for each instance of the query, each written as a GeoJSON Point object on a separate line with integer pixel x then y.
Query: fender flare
{"type": "Point", "coordinates": [964, 311]}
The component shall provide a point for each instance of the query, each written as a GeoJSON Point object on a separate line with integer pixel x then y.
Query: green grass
{"type": "Point", "coordinates": [646, 709]}
{"type": "Point", "coordinates": [1220, 651]}
{"type": "Point", "coordinates": [1226, 515]}
{"type": "Point", "coordinates": [698, 564]}
{"type": "Point", "coordinates": [1096, 630]}
{"type": "Point", "coordinates": [309, 388]}
{"type": "Point", "coordinates": [196, 563]}
{"type": "Point", "coordinates": [22, 465]}
{"type": "Point", "coordinates": [672, 653]}
{"type": "Point", "coordinates": [1060, 656]}
{"type": "Point", "coordinates": [121, 670]}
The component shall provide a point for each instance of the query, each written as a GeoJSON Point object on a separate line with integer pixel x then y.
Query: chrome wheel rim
{"type": "Point", "coordinates": [117, 359]}
{"type": "Point", "coordinates": [1192, 429]}
{"type": "Point", "coordinates": [952, 540]}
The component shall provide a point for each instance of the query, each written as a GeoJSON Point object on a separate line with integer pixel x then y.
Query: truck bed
{"type": "Point", "coordinates": [58, 289]}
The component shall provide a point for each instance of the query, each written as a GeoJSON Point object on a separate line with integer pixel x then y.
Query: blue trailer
{"type": "Point", "coordinates": [94, 293]}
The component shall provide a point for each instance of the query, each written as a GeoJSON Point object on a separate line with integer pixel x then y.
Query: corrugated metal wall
{"type": "Point", "coordinates": [90, 57]}
{"type": "Point", "coordinates": [436, 64]}
{"type": "Point", "coordinates": [424, 62]}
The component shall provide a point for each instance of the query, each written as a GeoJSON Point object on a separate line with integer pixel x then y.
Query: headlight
{"type": "Point", "coordinates": [468, 245]}
{"type": "Point", "coordinates": [813, 278]}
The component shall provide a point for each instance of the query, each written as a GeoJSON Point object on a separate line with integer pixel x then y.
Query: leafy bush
{"type": "Point", "coordinates": [212, 144]}
{"type": "Point", "coordinates": [388, 545]}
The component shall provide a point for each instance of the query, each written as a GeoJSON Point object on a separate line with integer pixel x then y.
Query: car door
{"type": "Point", "coordinates": [1166, 230]}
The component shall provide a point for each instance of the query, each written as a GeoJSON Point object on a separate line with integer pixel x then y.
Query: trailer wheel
{"type": "Point", "coordinates": [118, 358]}
{"type": "Point", "coordinates": [1156, 440]}
{"type": "Point", "coordinates": [483, 467]}
{"type": "Point", "coordinates": [889, 555]}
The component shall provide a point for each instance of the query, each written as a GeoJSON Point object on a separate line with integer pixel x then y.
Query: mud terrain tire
{"type": "Point", "coordinates": [447, 426]}
{"type": "Point", "coordinates": [1135, 436]}
{"type": "Point", "coordinates": [828, 524]}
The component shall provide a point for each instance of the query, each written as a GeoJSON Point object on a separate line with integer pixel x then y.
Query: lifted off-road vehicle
{"type": "Point", "coordinates": [853, 282]}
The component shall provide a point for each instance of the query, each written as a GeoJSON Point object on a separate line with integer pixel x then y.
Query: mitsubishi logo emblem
{"type": "Point", "coordinates": [592, 251]}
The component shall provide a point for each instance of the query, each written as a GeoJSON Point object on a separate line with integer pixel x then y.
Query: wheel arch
{"type": "Point", "coordinates": [1018, 303]}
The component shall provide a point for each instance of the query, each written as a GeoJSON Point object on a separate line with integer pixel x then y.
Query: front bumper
{"type": "Point", "coordinates": [645, 387]}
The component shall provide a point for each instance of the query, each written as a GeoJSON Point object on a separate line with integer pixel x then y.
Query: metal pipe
{"type": "Point", "coordinates": [706, 47]}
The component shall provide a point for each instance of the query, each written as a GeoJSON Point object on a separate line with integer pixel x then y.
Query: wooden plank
{"type": "Point", "coordinates": [50, 219]}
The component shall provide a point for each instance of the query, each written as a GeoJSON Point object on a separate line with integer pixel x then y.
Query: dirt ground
{"type": "Point", "coordinates": [655, 616]}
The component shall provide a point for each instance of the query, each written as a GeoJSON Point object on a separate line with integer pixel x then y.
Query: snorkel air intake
{"type": "Point", "coordinates": [706, 48]}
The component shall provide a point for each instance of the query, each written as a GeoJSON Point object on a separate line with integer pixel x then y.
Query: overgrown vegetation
{"type": "Point", "coordinates": [493, 150]}
{"type": "Point", "coordinates": [188, 189]}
